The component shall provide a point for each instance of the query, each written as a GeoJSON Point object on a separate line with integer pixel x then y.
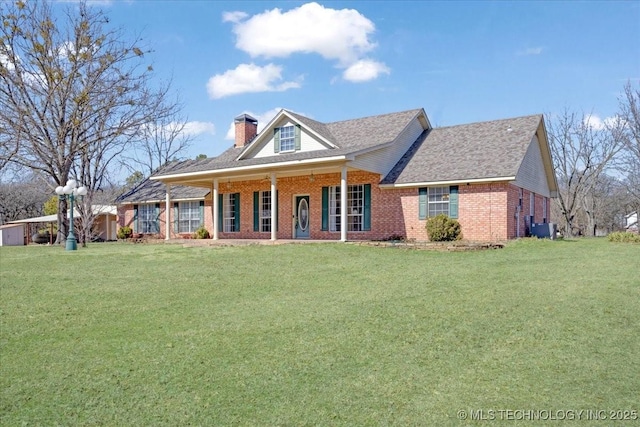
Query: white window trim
{"type": "Point", "coordinates": [189, 216]}
{"type": "Point", "coordinates": [334, 208]}
{"type": "Point", "coordinates": [355, 219]}
{"type": "Point", "coordinates": [147, 215]}
{"type": "Point", "coordinates": [228, 213]}
{"type": "Point", "coordinates": [265, 214]}
{"type": "Point", "coordinates": [445, 196]}
{"type": "Point", "coordinates": [292, 139]}
{"type": "Point", "coordinates": [355, 207]}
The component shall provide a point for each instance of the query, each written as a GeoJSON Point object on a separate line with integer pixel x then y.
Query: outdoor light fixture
{"type": "Point", "coordinates": [71, 190]}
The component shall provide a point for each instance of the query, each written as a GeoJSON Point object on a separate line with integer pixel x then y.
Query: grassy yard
{"type": "Point", "coordinates": [318, 334]}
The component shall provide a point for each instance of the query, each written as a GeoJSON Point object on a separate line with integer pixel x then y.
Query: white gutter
{"type": "Point", "coordinates": [251, 167]}
{"type": "Point", "coordinates": [453, 182]}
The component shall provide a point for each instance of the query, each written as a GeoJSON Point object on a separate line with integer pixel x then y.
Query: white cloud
{"type": "Point", "coordinates": [596, 123]}
{"type": "Point", "coordinates": [338, 35]}
{"type": "Point", "coordinates": [196, 128]}
{"type": "Point", "coordinates": [247, 78]}
{"type": "Point", "coordinates": [28, 75]}
{"type": "Point", "coordinates": [365, 70]}
{"type": "Point", "coordinates": [531, 51]}
{"type": "Point", "coordinates": [262, 118]}
{"type": "Point", "coordinates": [234, 17]}
{"type": "Point", "coordinates": [342, 35]}
{"type": "Point", "coordinates": [4, 61]}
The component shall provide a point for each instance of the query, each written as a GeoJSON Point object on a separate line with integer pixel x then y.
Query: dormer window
{"type": "Point", "coordinates": [286, 139]}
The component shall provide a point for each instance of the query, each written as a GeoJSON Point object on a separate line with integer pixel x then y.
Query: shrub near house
{"type": "Point", "coordinates": [441, 228]}
{"type": "Point", "coordinates": [624, 237]}
{"type": "Point", "coordinates": [124, 232]}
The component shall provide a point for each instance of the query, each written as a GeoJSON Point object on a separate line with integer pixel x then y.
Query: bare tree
{"type": "Point", "coordinates": [628, 131]}
{"type": "Point", "coordinates": [22, 199]}
{"type": "Point", "coordinates": [605, 205]}
{"type": "Point", "coordinates": [160, 141]}
{"type": "Point", "coordinates": [71, 89]}
{"type": "Point", "coordinates": [581, 154]}
{"type": "Point", "coordinates": [8, 146]}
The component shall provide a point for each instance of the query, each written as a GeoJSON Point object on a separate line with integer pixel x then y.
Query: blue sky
{"type": "Point", "coordinates": [461, 61]}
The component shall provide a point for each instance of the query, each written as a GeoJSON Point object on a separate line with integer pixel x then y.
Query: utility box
{"type": "Point", "coordinates": [546, 230]}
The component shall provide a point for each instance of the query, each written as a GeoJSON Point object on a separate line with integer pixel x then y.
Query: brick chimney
{"type": "Point", "coordinates": [246, 129]}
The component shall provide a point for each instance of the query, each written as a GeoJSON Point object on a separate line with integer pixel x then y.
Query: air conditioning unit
{"type": "Point", "coordinates": [546, 230]}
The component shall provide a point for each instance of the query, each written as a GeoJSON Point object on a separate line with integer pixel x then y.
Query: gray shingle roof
{"type": "Point", "coordinates": [372, 131]}
{"type": "Point", "coordinates": [149, 190]}
{"type": "Point", "coordinates": [155, 191]}
{"type": "Point", "coordinates": [319, 128]}
{"type": "Point", "coordinates": [349, 136]}
{"type": "Point", "coordinates": [473, 151]}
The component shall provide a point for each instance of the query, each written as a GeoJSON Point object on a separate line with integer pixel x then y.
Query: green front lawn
{"type": "Point", "coordinates": [316, 334]}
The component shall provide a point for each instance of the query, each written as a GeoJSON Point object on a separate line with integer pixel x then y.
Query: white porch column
{"type": "Point", "coordinates": [216, 209]}
{"type": "Point", "coordinates": [274, 207]}
{"type": "Point", "coordinates": [167, 213]}
{"type": "Point", "coordinates": [343, 204]}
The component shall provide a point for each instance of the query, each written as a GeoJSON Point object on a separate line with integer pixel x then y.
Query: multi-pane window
{"type": "Point", "coordinates": [265, 211]}
{"type": "Point", "coordinates": [438, 201]}
{"type": "Point", "coordinates": [229, 212]}
{"type": "Point", "coordinates": [287, 138]}
{"type": "Point", "coordinates": [334, 208]}
{"type": "Point", "coordinates": [355, 208]}
{"type": "Point", "coordinates": [188, 217]}
{"type": "Point", "coordinates": [433, 201]}
{"type": "Point", "coordinates": [147, 219]}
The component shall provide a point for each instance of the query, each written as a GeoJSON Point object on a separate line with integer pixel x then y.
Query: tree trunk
{"type": "Point", "coordinates": [63, 223]}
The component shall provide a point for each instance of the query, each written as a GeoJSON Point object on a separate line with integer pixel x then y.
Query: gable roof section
{"type": "Point", "coordinates": [372, 132]}
{"type": "Point", "coordinates": [349, 138]}
{"type": "Point", "coordinates": [481, 151]}
{"type": "Point", "coordinates": [311, 126]}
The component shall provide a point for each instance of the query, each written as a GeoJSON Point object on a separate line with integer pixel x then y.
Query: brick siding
{"type": "Point", "coordinates": [487, 212]}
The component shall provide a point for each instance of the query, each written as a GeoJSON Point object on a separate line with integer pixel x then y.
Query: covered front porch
{"type": "Point", "coordinates": [299, 202]}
